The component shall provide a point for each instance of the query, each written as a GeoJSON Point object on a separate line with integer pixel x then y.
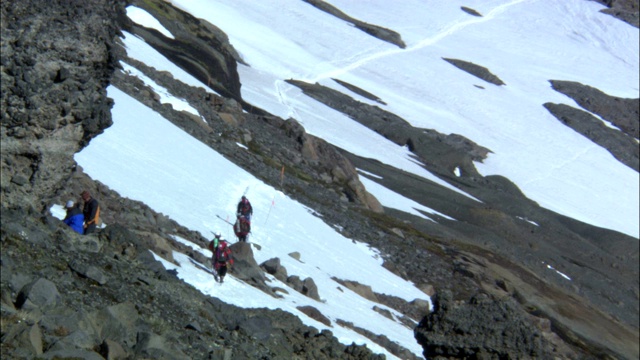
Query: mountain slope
{"type": "Point", "coordinates": [472, 233]}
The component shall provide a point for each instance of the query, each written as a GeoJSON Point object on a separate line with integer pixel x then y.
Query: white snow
{"type": "Point", "coordinates": [524, 42]}
{"type": "Point", "coordinates": [527, 220]}
{"type": "Point", "coordinates": [559, 273]}
{"type": "Point", "coordinates": [165, 96]}
{"type": "Point", "coordinates": [142, 17]}
{"type": "Point", "coordinates": [140, 50]}
{"type": "Point", "coordinates": [394, 200]}
{"type": "Point", "coordinates": [175, 174]}
{"type": "Point", "coordinates": [369, 173]}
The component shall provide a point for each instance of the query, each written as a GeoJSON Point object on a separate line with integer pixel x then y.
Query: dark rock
{"type": "Point", "coordinates": [19, 180]}
{"type": "Point", "coordinates": [384, 312]}
{"type": "Point", "coordinates": [27, 338]}
{"type": "Point", "coordinates": [625, 10]}
{"type": "Point", "coordinates": [194, 326]}
{"type": "Point", "coordinates": [310, 289]}
{"type": "Point", "coordinates": [40, 293]}
{"type": "Point", "coordinates": [315, 314]}
{"type": "Point", "coordinates": [476, 70]}
{"type": "Point", "coordinates": [42, 50]}
{"type": "Point", "coordinates": [373, 30]}
{"type": "Point", "coordinates": [382, 340]}
{"type": "Point", "coordinates": [622, 146]}
{"type": "Point", "coordinates": [71, 354]}
{"type": "Point", "coordinates": [470, 11]}
{"type": "Point", "coordinates": [359, 91]}
{"type": "Point", "coordinates": [461, 330]}
{"type": "Point", "coordinates": [273, 267]}
{"type": "Point", "coordinates": [440, 152]}
{"type": "Point", "coordinates": [79, 339]}
{"type": "Point", "coordinates": [156, 347]}
{"type": "Point", "coordinates": [246, 268]}
{"type": "Point", "coordinates": [295, 283]}
{"type": "Point", "coordinates": [18, 280]}
{"type": "Point", "coordinates": [111, 350]}
{"type": "Point", "coordinates": [221, 354]}
{"type": "Point", "coordinates": [89, 272]}
{"type": "Point", "coordinates": [117, 322]}
{"type": "Point", "coordinates": [623, 113]}
{"type": "Point", "coordinates": [363, 290]}
{"type": "Point", "coordinates": [200, 47]}
{"type": "Point", "coordinates": [258, 327]}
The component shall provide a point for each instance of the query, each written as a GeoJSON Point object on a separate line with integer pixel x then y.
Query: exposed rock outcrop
{"type": "Point", "coordinates": [460, 331]}
{"type": "Point", "coordinates": [379, 32]}
{"type": "Point", "coordinates": [622, 146]}
{"type": "Point", "coordinates": [53, 91]}
{"type": "Point", "coordinates": [439, 151]}
{"type": "Point", "coordinates": [139, 310]}
{"type": "Point", "coordinates": [625, 10]}
{"type": "Point", "coordinates": [476, 70]}
{"type": "Point", "coordinates": [199, 47]}
{"type": "Point", "coordinates": [623, 113]}
{"type": "Point", "coordinates": [470, 11]}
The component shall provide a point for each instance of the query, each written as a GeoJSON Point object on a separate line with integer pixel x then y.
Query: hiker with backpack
{"type": "Point", "coordinates": [242, 228]}
{"type": "Point", "coordinates": [222, 259]}
{"type": "Point", "coordinates": [91, 212]}
{"type": "Point", "coordinates": [74, 217]}
{"type": "Point", "coordinates": [244, 208]}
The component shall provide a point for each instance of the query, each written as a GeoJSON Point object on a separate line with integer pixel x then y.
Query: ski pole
{"type": "Point", "coordinates": [224, 220]}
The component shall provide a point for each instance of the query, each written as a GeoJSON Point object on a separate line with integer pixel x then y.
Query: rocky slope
{"type": "Point", "coordinates": [104, 296]}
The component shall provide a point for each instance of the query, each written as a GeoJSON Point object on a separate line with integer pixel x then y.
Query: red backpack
{"type": "Point", "coordinates": [223, 253]}
{"type": "Point", "coordinates": [242, 226]}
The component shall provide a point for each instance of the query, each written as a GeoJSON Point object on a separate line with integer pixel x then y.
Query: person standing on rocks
{"type": "Point", "coordinates": [221, 260]}
{"type": "Point", "coordinates": [74, 217]}
{"type": "Point", "coordinates": [242, 228]}
{"type": "Point", "coordinates": [91, 212]}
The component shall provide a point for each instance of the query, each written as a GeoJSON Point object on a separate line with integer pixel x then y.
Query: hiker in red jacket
{"type": "Point", "coordinates": [244, 208]}
{"type": "Point", "coordinates": [221, 260]}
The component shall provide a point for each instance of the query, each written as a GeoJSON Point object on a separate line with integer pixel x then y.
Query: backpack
{"type": "Point", "coordinates": [213, 244]}
{"type": "Point", "coordinates": [244, 226]}
{"type": "Point", "coordinates": [222, 255]}
{"type": "Point", "coordinates": [244, 208]}
{"type": "Point", "coordinates": [97, 218]}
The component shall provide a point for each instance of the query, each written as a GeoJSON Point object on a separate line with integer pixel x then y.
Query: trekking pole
{"type": "Point", "coordinates": [224, 220]}
{"type": "Point", "coordinates": [273, 201]}
{"type": "Point", "coordinates": [270, 207]}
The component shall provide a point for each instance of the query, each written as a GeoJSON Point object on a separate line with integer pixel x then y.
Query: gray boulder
{"type": "Point", "coordinates": [246, 268]}
{"type": "Point", "coordinates": [462, 331]}
{"type": "Point", "coordinates": [117, 322]}
{"type": "Point", "coordinates": [27, 338]}
{"type": "Point", "coordinates": [40, 293]}
{"type": "Point", "coordinates": [310, 289]}
{"type": "Point", "coordinates": [273, 267]}
{"type": "Point", "coordinates": [150, 345]}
